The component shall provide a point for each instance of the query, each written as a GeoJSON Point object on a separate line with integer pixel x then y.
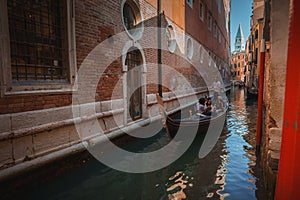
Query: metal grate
{"type": "Point", "coordinates": [36, 40]}
{"type": "Point", "coordinates": [133, 59]}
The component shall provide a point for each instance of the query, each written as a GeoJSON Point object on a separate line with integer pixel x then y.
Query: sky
{"type": "Point", "coordinates": [241, 10]}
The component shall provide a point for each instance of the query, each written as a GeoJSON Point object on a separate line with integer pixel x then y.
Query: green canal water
{"type": "Point", "coordinates": [229, 171]}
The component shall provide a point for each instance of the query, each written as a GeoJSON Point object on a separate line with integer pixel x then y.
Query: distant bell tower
{"type": "Point", "coordinates": [239, 40]}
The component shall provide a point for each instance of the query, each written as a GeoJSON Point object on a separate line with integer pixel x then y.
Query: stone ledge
{"type": "Point", "coordinates": [273, 159]}
{"type": "Point", "coordinates": [275, 139]}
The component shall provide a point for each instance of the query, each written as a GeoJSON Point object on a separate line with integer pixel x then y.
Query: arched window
{"type": "Point", "coordinates": [132, 19]}
{"type": "Point", "coordinates": [171, 39]}
{"type": "Point", "coordinates": [189, 48]}
{"type": "Point", "coordinates": [129, 17]}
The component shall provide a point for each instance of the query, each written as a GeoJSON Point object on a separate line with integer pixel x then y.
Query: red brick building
{"type": "Point", "coordinates": [45, 44]}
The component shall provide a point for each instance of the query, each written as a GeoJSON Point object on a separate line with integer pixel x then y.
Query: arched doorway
{"type": "Point", "coordinates": [134, 64]}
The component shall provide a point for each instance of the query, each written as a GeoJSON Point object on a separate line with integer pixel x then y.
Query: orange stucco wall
{"type": "Point", "coordinates": [174, 10]}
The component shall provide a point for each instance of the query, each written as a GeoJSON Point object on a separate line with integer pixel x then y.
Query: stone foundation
{"type": "Point", "coordinates": [31, 139]}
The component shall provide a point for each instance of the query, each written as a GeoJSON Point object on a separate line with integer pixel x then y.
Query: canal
{"type": "Point", "coordinates": [229, 171]}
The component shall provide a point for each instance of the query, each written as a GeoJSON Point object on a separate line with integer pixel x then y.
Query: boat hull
{"type": "Point", "coordinates": [195, 124]}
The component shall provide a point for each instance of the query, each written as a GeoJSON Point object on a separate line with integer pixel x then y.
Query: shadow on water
{"type": "Point", "coordinates": [228, 171]}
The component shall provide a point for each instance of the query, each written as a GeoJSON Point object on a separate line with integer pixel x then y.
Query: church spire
{"type": "Point", "coordinates": [239, 39]}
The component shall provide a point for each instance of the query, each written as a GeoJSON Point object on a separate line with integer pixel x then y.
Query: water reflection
{"type": "Point", "coordinates": [240, 164]}
{"type": "Point", "coordinates": [227, 172]}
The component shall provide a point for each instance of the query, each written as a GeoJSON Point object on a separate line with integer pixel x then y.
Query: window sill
{"type": "Point", "coordinates": [39, 89]}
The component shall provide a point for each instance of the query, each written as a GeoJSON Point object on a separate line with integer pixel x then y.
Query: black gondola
{"type": "Point", "coordinates": [195, 122]}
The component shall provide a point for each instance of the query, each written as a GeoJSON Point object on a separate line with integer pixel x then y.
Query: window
{"type": "Point", "coordinates": [132, 19]}
{"type": "Point", "coordinates": [256, 34]}
{"type": "Point", "coordinates": [201, 11]}
{"type": "Point", "coordinates": [129, 17]}
{"type": "Point", "coordinates": [134, 84]}
{"type": "Point", "coordinates": [190, 3]}
{"type": "Point", "coordinates": [209, 20]}
{"type": "Point", "coordinates": [220, 36]}
{"type": "Point", "coordinates": [40, 37]}
{"type": "Point", "coordinates": [256, 56]}
{"type": "Point", "coordinates": [37, 41]}
{"type": "Point", "coordinates": [189, 48]}
{"type": "Point", "coordinates": [171, 38]}
{"type": "Point", "coordinates": [219, 6]}
{"type": "Point", "coordinates": [215, 29]}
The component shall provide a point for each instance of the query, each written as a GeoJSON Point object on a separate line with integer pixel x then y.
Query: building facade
{"type": "Point", "coordinates": [253, 46]}
{"type": "Point", "coordinates": [48, 47]}
{"type": "Point", "coordinates": [238, 66]}
{"type": "Point", "coordinates": [238, 56]}
{"type": "Point", "coordinates": [269, 34]}
{"type": "Point", "coordinates": [276, 36]}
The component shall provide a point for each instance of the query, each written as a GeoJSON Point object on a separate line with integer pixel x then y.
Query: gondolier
{"type": "Point", "coordinates": [217, 88]}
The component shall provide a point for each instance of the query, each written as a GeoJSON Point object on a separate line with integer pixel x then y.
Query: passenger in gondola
{"type": "Point", "coordinates": [202, 108]}
{"type": "Point", "coordinates": [208, 104]}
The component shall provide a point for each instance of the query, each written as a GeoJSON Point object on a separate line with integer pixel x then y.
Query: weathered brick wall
{"type": "Point", "coordinates": [274, 90]}
{"type": "Point", "coordinates": [95, 21]}
{"type": "Point", "coordinates": [15, 104]}
{"type": "Point", "coordinates": [47, 125]}
{"type": "Point", "coordinates": [199, 29]}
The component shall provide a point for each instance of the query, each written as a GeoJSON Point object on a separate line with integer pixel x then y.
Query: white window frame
{"type": "Point", "coordinates": [215, 27]}
{"type": "Point", "coordinates": [6, 82]}
{"type": "Point", "coordinates": [189, 47]}
{"type": "Point", "coordinates": [209, 20]}
{"type": "Point", "coordinates": [138, 32]}
{"type": "Point", "coordinates": [190, 3]}
{"type": "Point", "coordinates": [201, 10]}
{"type": "Point", "coordinates": [172, 41]}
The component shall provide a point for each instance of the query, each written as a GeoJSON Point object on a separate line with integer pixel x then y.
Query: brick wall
{"type": "Point", "coordinates": [47, 127]}
{"type": "Point", "coordinates": [95, 22]}
{"type": "Point", "coordinates": [199, 29]}
{"type": "Point", "coordinates": [15, 104]}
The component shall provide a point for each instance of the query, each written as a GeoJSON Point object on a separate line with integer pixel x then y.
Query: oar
{"type": "Point", "coordinates": [163, 112]}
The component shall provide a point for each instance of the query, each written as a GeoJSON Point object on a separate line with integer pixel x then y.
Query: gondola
{"type": "Point", "coordinates": [194, 122]}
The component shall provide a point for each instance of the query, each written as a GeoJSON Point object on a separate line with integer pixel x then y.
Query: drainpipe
{"type": "Point", "coordinates": [260, 93]}
{"type": "Point", "coordinates": [159, 62]}
{"type": "Point", "coordinates": [287, 186]}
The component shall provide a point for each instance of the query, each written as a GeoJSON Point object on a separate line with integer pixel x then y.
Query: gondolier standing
{"type": "Point", "coordinates": [217, 88]}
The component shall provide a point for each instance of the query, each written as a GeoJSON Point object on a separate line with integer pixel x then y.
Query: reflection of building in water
{"type": "Point", "coordinates": [46, 43]}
